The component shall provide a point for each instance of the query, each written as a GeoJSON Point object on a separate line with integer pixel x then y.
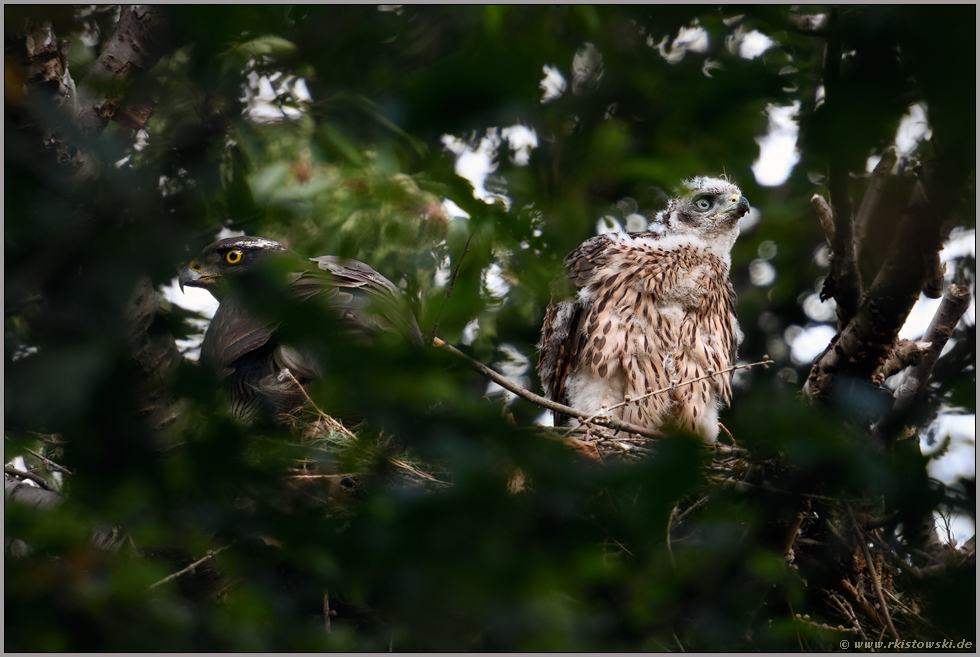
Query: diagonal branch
{"type": "Point", "coordinates": [865, 343]}
{"type": "Point", "coordinates": [711, 375]}
{"type": "Point", "coordinates": [210, 555]}
{"type": "Point", "coordinates": [538, 400]}
{"type": "Point", "coordinates": [844, 278]}
{"type": "Point", "coordinates": [876, 186]}
{"type": "Point", "coordinates": [869, 564]}
{"type": "Point", "coordinates": [914, 383]}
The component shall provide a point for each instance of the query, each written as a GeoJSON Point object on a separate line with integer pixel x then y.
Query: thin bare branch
{"type": "Point", "coordinates": [51, 465]}
{"type": "Point", "coordinates": [913, 385]}
{"type": "Point", "coordinates": [826, 216]}
{"type": "Point", "coordinates": [330, 422]}
{"type": "Point", "coordinates": [869, 564]}
{"type": "Point", "coordinates": [210, 555]}
{"type": "Point", "coordinates": [711, 374]}
{"type": "Point", "coordinates": [538, 400]}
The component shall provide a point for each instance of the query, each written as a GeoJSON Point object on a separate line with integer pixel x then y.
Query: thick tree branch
{"type": "Point", "coordinates": [810, 24]}
{"type": "Point", "coordinates": [913, 387]}
{"type": "Point", "coordinates": [865, 343]}
{"type": "Point", "coordinates": [904, 354]}
{"type": "Point", "coordinates": [872, 196]}
{"type": "Point", "coordinates": [844, 278]}
{"type": "Point", "coordinates": [155, 354]}
{"type": "Point", "coordinates": [141, 39]}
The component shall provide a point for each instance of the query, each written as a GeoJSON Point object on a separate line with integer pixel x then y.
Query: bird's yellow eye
{"type": "Point", "coordinates": [233, 257]}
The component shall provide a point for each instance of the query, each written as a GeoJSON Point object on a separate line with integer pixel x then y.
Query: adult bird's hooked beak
{"type": "Point", "coordinates": [192, 277]}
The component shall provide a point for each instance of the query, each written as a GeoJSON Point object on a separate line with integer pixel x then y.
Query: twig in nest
{"type": "Point", "coordinates": [418, 473]}
{"type": "Point", "coordinates": [673, 386]}
{"type": "Point", "coordinates": [332, 423]}
{"type": "Point", "coordinates": [869, 563]}
{"type": "Point", "coordinates": [210, 555]}
{"type": "Point", "coordinates": [323, 476]}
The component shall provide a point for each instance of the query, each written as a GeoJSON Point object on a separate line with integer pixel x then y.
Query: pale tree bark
{"type": "Point", "coordinates": [142, 37]}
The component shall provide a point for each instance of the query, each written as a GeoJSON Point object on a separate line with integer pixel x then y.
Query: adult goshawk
{"type": "Point", "coordinates": [245, 350]}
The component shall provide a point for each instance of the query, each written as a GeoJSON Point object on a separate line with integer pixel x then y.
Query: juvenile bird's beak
{"type": "Point", "coordinates": [739, 206]}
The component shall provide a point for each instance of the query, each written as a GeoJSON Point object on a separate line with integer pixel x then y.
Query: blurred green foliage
{"type": "Point", "coordinates": [580, 560]}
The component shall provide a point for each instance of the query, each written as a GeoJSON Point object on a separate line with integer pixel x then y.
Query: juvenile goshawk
{"type": "Point", "coordinates": [651, 309]}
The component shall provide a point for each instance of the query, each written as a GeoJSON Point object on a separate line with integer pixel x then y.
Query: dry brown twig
{"type": "Point", "coordinates": [210, 555]}
{"type": "Point", "coordinates": [869, 564]}
{"type": "Point", "coordinates": [328, 420]}
{"type": "Point", "coordinates": [673, 386]}
{"type": "Point", "coordinates": [538, 400]}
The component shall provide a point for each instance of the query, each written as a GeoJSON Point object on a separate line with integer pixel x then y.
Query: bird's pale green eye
{"type": "Point", "coordinates": [233, 257]}
{"type": "Point", "coordinates": [702, 204]}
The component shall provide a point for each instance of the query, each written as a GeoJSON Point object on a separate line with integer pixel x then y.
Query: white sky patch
{"type": "Point", "coordinates": [777, 148]}
{"type": "Point", "coordinates": [819, 311]}
{"type": "Point", "coordinates": [451, 210]}
{"type": "Point", "coordinates": [636, 222]}
{"type": "Point", "coordinates": [761, 273]}
{"type": "Point", "coordinates": [477, 163]}
{"type": "Point", "coordinates": [754, 44]}
{"type": "Point", "coordinates": [608, 224]}
{"type": "Point", "coordinates": [546, 419]}
{"type": "Point", "coordinates": [961, 527]}
{"type": "Point", "coordinates": [522, 141]}
{"type": "Point", "coordinates": [961, 243]}
{"type": "Point", "coordinates": [750, 220]}
{"type": "Point", "coordinates": [493, 283]}
{"type": "Point", "coordinates": [470, 332]}
{"type": "Point", "coordinates": [809, 342]}
{"type": "Point", "coordinates": [268, 104]}
{"type": "Point", "coordinates": [912, 129]}
{"type": "Point", "coordinates": [587, 69]}
{"type": "Point", "coordinates": [959, 461]}
{"type": "Point", "coordinates": [689, 39]}
{"type": "Point", "coordinates": [443, 273]}
{"type": "Point", "coordinates": [197, 300]}
{"type": "Point", "coordinates": [553, 85]}
{"type": "Point", "coordinates": [514, 367]}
